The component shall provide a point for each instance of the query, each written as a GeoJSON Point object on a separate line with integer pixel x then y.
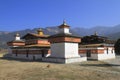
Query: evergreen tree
{"type": "Point", "coordinates": [117, 47]}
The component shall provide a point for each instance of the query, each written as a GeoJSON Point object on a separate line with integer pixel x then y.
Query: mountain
{"type": "Point", "coordinates": [114, 36]}
{"type": "Point", "coordinates": [111, 32]}
{"type": "Point", "coordinates": [3, 32]}
{"type": "Point", "coordinates": [5, 37]}
{"type": "Point", "coordinates": [101, 30]}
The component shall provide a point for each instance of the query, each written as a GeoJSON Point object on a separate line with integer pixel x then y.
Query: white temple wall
{"type": "Point", "coordinates": [64, 50]}
{"type": "Point", "coordinates": [64, 53]}
{"type": "Point", "coordinates": [71, 50]}
{"type": "Point", "coordinates": [17, 38]}
{"type": "Point", "coordinates": [108, 54]}
{"type": "Point", "coordinates": [57, 50]}
{"type": "Point", "coordinates": [65, 30]}
{"type": "Point", "coordinates": [29, 57]}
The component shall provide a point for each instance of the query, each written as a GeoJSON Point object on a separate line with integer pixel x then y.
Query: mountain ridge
{"type": "Point", "coordinates": [110, 32]}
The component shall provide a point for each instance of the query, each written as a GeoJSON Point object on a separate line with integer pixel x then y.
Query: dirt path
{"type": "Point", "coordinates": [114, 62]}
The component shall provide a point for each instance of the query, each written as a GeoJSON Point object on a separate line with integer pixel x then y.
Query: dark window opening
{"type": "Point", "coordinates": [16, 53]}
{"type": "Point", "coordinates": [33, 57]}
{"type": "Point", "coordinates": [88, 53]}
{"type": "Point", "coordinates": [107, 50]}
{"type": "Point", "coordinates": [43, 53]}
{"type": "Point", "coordinates": [27, 54]}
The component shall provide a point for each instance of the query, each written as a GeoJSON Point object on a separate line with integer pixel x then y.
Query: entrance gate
{"type": "Point", "coordinates": [88, 54]}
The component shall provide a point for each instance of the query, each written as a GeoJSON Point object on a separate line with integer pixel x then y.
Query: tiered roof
{"type": "Point", "coordinates": [94, 39]}
{"type": "Point", "coordinates": [31, 40]}
{"type": "Point", "coordinates": [17, 41]}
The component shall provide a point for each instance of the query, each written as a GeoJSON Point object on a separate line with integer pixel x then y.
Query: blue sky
{"type": "Point", "coordinates": [28, 14]}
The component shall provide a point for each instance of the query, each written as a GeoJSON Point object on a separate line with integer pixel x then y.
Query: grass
{"type": "Point", "coordinates": [1, 55]}
{"type": "Point", "coordinates": [2, 52]}
{"type": "Point", "coordinates": [24, 70]}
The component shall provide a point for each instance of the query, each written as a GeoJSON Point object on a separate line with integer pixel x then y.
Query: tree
{"type": "Point", "coordinates": [117, 47]}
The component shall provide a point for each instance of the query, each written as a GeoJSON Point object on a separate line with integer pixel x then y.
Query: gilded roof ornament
{"type": "Point", "coordinates": [64, 22]}
{"type": "Point", "coordinates": [96, 33]}
{"type": "Point", "coordinates": [17, 35]}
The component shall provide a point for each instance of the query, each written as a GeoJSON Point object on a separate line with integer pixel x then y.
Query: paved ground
{"type": "Point", "coordinates": [114, 62]}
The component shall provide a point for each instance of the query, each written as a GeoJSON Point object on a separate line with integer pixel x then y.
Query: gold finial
{"type": "Point", "coordinates": [40, 32]}
{"type": "Point", "coordinates": [96, 33]}
{"type": "Point", "coordinates": [64, 25]}
{"type": "Point", "coordinates": [17, 35]}
{"type": "Point", "coordinates": [39, 29]}
{"type": "Point", "coordinates": [64, 22]}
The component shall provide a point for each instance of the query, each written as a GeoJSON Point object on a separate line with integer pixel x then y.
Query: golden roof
{"type": "Point", "coordinates": [36, 35]}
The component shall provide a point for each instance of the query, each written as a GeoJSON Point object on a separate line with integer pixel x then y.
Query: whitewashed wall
{"type": "Point", "coordinates": [64, 50]}
{"type": "Point", "coordinates": [71, 50]}
{"type": "Point", "coordinates": [64, 53]}
{"type": "Point", "coordinates": [64, 30]}
{"type": "Point", "coordinates": [30, 56]}
{"type": "Point", "coordinates": [105, 55]}
{"type": "Point", "coordinates": [58, 50]}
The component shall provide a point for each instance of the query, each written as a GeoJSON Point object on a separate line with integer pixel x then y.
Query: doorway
{"type": "Point", "coordinates": [43, 54]}
{"type": "Point", "coordinates": [33, 57]}
{"type": "Point", "coordinates": [88, 53]}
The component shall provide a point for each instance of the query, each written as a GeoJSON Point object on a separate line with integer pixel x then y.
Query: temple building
{"type": "Point", "coordinates": [34, 46]}
{"type": "Point", "coordinates": [63, 47]}
{"type": "Point", "coordinates": [97, 47]}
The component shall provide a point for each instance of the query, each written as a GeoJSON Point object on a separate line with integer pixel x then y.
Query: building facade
{"type": "Point", "coordinates": [34, 46]}
{"type": "Point", "coordinates": [63, 47]}
{"type": "Point", "coordinates": [97, 47]}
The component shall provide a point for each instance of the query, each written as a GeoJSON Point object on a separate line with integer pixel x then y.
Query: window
{"type": "Point", "coordinates": [16, 53]}
{"type": "Point", "coordinates": [43, 54]}
{"type": "Point", "coordinates": [27, 53]}
{"type": "Point", "coordinates": [88, 53]}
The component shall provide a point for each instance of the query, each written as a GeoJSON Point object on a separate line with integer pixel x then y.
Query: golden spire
{"type": "Point", "coordinates": [40, 32]}
{"type": "Point", "coordinates": [64, 25]}
{"type": "Point", "coordinates": [96, 33]}
{"type": "Point", "coordinates": [64, 22]}
{"type": "Point", "coordinates": [17, 35]}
